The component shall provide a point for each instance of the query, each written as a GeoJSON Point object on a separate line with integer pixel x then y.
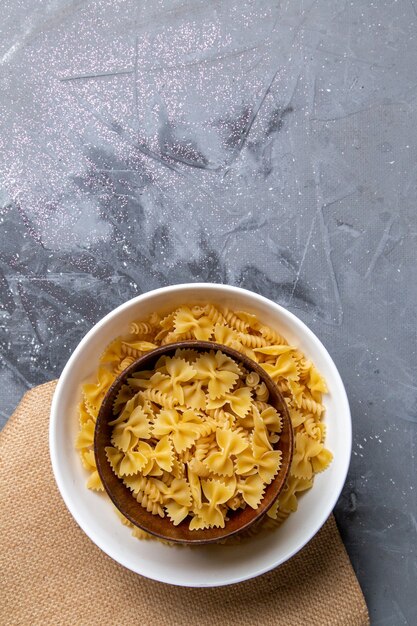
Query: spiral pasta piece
{"type": "Point", "coordinates": [273, 437]}
{"type": "Point", "coordinates": [146, 486]}
{"type": "Point", "coordinates": [304, 366]}
{"type": "Point", "coordinates": [239, 347]}
{"type": "Point", "coordinates": [214, 314]}
{"type": "Point", "coordinates": [207, 428]}
{"type": "Point", "coordinates": [197, 310]}
{"type": "Point", "coordinates": [202, 446]}
{"type": "Point", "coordinates": [234, 321]}
{"type": "Point", "coordinates": [272, 336]}
{"type": "Point", "coordinates": [124, 364]}
{"type": "Point", "coordinates": [150, 505]}
{"type": "Point", "coordinates": [158, 397]}
{"type": "Point", "coordinates": [140, 328]}
{"type": "Point", "coordinates": [252, 379]}
{"type": "Point", "coordinates": [310, 405]}
{"type": "Point", "coordinates": [252, 341]}
{"type": "Point", "coordinates": [222, 417]}
{"type": "Point", "coordinates": [262, 392]}
{"type": "Point", "coordinates": [129, 350]}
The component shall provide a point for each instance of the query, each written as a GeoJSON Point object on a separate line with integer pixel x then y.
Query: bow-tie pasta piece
{"type": "Point", "coordinates": [113, 353]}
{"type": "Point", "coordinates": [240, 401]}
{"type": "Point", "coordinates": [306, 449]}
{"type": "Point", "coordinates": [287, 501]}
{"type": "Point", "coordinates": [176, 512]}
{"type": "Point", "coordinates": [183, 428]}
{"type": "Point", "coordinates": [126, 434]}
{"type": "Point", "coordinates": [185, 322]}
{"type": "Point", "coordinates": [260, 455]}
{"type": "Point", "coordinates": [163, 454]}
{"type": "Point", "coordinates": [269, 465]}
{"type": "Point", "coordinates": [125, 412]}
{"type": "Point", "coordinates": [89, 462]}
{"type": "Point", "coordinates": [180, 372]}
{"type": "Point", "coordinates": [230, 444]}
{"type": "Point", "coordinates": [259, 440]}
{"type": "Point", "coordinates": [179, 491]}
{"type": "Point", "coordinates": [125, 394]}
{"type": "Point", "coordinates": [85, 437]}
{"type": "Point", "coordinates": [114, 457]}
{"type": "Point", "coordinates": [322, 460]}
{"type": "Point", "coordinates": [272, 419]}
{"type": "Point", "coordinates": [136, 460]}
{"type": "Point", "coordinates": [83, 414]}
{"type": "Point", "coordinates": [217, 493]}
{"type": "Point", "coordinates": [252, 490]}
{"type": "Point", "coordinates": [195, 487]}
{"type": "Point", "coordinates": [224, 335]}
{"type": "Point", "coordinates": [285, 368]}
{"type": "Point", "coordinates": [194, 396]}
{"type": "Point", "coordinates": [94, 392]}
{"type": "Point", "coordinates": [219, 371]}
{"type": "Point", "coordinates": [179, 499]}
{"type": "Point", "coordinates": [158, 380]}
{"type": "Point", "coordinates": [317, 384]}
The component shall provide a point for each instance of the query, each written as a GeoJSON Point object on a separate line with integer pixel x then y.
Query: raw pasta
{"type": "Point", "coordinates": [188, 438]}
{"type": "Point", "coordinates": [208, 459]}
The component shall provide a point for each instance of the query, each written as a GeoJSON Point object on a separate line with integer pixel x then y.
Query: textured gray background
{"type": "Point", "coordinates": [270, 145]}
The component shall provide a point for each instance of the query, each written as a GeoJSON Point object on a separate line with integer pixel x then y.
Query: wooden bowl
{"type": "Point", "coordinates": [163, 528]}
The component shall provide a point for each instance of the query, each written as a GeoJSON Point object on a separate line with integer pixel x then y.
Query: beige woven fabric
{"type": "Point", "coordinates": [52, 574]}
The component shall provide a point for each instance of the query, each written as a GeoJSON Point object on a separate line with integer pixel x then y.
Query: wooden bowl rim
{"type": "Point", "coordinates": [101, 458]}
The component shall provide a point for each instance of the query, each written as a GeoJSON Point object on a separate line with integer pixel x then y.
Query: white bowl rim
{"type": "Point", "coordinates": [227, 289]}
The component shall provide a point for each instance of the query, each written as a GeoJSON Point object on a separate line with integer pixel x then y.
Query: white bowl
{"type": "Point", "coordinates": [205, 566]}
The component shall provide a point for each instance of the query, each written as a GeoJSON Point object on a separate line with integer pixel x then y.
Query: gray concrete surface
{"type": "Point", "coordinates": [265, 144]}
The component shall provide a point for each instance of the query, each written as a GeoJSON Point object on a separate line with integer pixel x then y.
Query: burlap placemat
{"type": "Point", "coordinates": [52, 574]}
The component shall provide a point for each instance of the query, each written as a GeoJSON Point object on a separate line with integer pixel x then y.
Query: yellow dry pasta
{"type": "Point", "coordinates": [200, 453]}
{"type": "Point", "coordinates": [193, 439]}
{"type": "Point", "coordinates": [141, 328]}
{"type": "Point", "coordinates": [124, 364]}
{"type": "Point", "coordinates": [234, 321]}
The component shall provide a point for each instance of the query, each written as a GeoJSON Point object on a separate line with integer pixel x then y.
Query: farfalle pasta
{"type": "Point", "coordinates": [194, 438]}
{"type": "Point", "coordinates": [194, 459]}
